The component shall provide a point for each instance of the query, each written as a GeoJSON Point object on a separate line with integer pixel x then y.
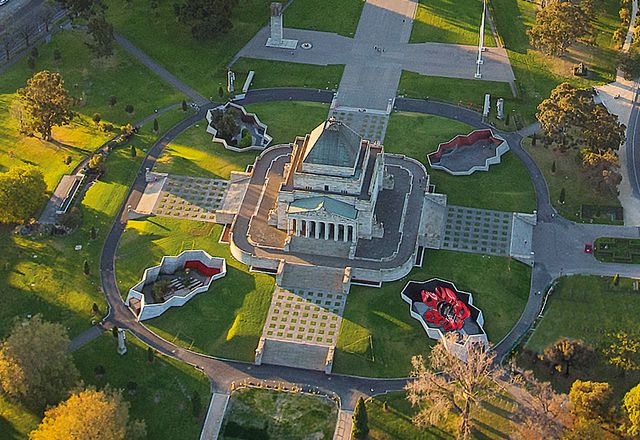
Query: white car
{"type": "Point", "coordinates": [2, 2]}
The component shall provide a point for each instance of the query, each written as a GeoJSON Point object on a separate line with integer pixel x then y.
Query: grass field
{"type": "Point", "coordinates": [199, 63]}
{"type": "Point", "coordinates": [492, 420]}
{"type": "Point", "coordinates": [254, 413]}
{"type": "Point", "coordinates": [317, 16]}
{"type": "Point", "coordinates": [193, 153]}
{"type": "Point", "coordinates": [587, 307]}
{"type": "Point", "coordinates": [506, 186]}
{"type": "Point", "coordinates": [378, 336]}
{"type": "Point", "coordinates": [568, 175]}
{"type": "Point", "coordinates": [161, 399]}
{"type": "Point", "coordinates": [445, 21]}
{"type": "Point", "coordinates": [270, 74]}
{"type": "Point", "coordinates": [232, 313]}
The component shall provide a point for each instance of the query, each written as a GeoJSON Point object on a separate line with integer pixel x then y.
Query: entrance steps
{"type": "Point", "coordinates": [292, 276]}
{"type": "Point", "coordinates": [291, 354]}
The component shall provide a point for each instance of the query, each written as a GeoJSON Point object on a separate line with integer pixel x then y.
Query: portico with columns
{"type": "Point", "coordinates": [331, 186]}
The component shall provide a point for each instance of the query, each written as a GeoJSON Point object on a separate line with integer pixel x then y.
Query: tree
{"type": "Point", "coordinates": [84, 8]}
{"type": "Point", "coordinates": [86, 268]}
{"type": "Point", "coordinates": [558, 26]}
{"type": "Point", "coordinates": [542, 413]}
{"type": "Point", "coordinates": [134, 153]}
{"type": "Point", "coordinates": [22, 191]}
{"type": "Point", "coordinates": [57, 55]}
{"type": "Point", "coordinates": [225, 123]}
{"type": "Point", "coordinates": [96, 163]}
{"type": "Point", "coordinates": [563, 195]}
{"type": "Point", "coordinates": [156, 126]}
{"type": "Point", "coordinates": [47, 13]}
{"type": "Point", "coordinates": [462, 386]}
{"type": "Point", "coordinates": [616, 280]}
{"type": "Point", "coordinates": [631, 404]}
{"type": "Point", "coordinates": [603, 131]}
{"type": "Point", "coordinates": [196, 404]}
{"type": "Point", "coordinates": [31, 62]}
{"type": "Point", "coordinates": [97, 118]}
{"type": "Point", "coordinates": [89, 414]}
{"type": "Point", "coordinates": [150, 355]}
{"type": "Point", "coordinates": [184, 105]}
{"type": "Point", "coordinates": [590, 399]}
{"type": "Point", "coordinates": [25, 30]}
{"type": "Point", "coordinates": [93, 233]}
{"type": "Point", "coordinates": [206, 18]}
{"type": "Point", "coordinates": [129, 109]}
{"type": "Point", "coordinates": [360, 420]}
{"type": "Point", "coordinates": [113, 99]}
{"type": "Point", "coordinates": [35, 364]}
{"type": "Point", "coordinates": [623, 351]}
{"type": "Point", "coordinates": [45, 103]}
{"type": "Point", "coordinates": [101, 32]}
{"type": "Point", "coordinates": [565, 352]}
{"type": "Point", "coordinates": [7, 40]}
{"type": "Point", "coordinates": [629, 62]}
{"type": "Point", "coordinates": [553, 167]}
{"type": "Point", "coordinates": [220, 91]}
{"type": "Point", "coordinates": [95, 310]}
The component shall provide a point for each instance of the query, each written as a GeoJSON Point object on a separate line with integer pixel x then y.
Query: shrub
{"type": "Point", "coordinates": [86, 268]}
{"type": "Point", "coordinates": [72, 218]}
{"type": "Point", "coordinates": [220, 91]}
{"type": "Point", "coordinates": [246, 140]}
{"type": "Point", "coordinates": [67, 159]}
{"type": "Point", "coordinates": [127, 131]}
{"type": "Point", "coordinates": [156, 126]}
{"type": "Point", "coordinates": [96, 163]}
{"type": "Point", "coordinates": [99, 370]}
{"type": "Point", "coordinates": [184, 105]}
{"type": "Point", "coordinates": [105, 126]}
{"type": "Point", "coordinates": [113, 100]}
{"type": "Point", "coordinates": [96, 118]}
{"type": "Point", "coordinates": [133, 151]}
{"type": "Point", "coordinates": [129, 109]}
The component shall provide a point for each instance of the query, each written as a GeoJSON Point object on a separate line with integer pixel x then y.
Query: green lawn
{"type": "Point", "coordinates": [339, 16]}
{"type": "Point", "coordinates": [587, 307]}
{"type": "Point", "coordinates": [164, 388]}
{"type": "Point", "coordinates": [270, 74]}
{"type": "Point", "coordinates": [568, 175]}
{"type": "Point", "coordinates": [193, 153]}
{"type": "Point", "coordinates": [506, 186]}
{"type": "Point", "coordinates": [227, 320]}
{"type": "Point", "coordinates": [255, 413]}
{"type": "Point", "coordinates": [199, 63]}
{"type": "Point", "coordinates": [491, 420]}
{"type": "Point", "coordinates": [378, 336]}
{"type": "Point", "coordinates": [446, 21]}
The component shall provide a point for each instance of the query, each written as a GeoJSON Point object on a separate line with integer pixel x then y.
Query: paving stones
{"type": "Point", "coordinates": [477, 230]}
{"type": "Point", "coordinates": [371, 126]}
{"type": "Point", "coordinates": [191, 198]}
{"type": "Point", "coordinates": [306, 317]}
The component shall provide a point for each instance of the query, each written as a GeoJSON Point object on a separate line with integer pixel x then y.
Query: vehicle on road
{"type": "Point", "coordinates": [588, 248]}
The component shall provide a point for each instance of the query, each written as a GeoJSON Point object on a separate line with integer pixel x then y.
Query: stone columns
{"type": "Point", "coordinates": [297, 226]}
{"type": "Point", "coordinates": [335, 231]}
{"type": "Point", "coordinates": [317, 230]}
{"type": "Point", "coordinates": [326, 230]}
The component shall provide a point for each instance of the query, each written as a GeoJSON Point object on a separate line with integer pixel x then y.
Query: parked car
{"type": "Point", "coordinates": [588, 248]}
{"type": "Point", "coordinates": [2, 2]}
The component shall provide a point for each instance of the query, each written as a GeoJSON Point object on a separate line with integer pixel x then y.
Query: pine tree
{"type": "Point", "coordinates": [184, 105]}
{"type": "Point", "coordinates": [220, 91]}
{"type": "Point", "coordinates": [134, 153]}
{"type": "Point", "coordinates": [93, 233]}
{"type": "Point", "coordinates": [616, 279]}
{"type": "Point", "coordinates": [196, 404]}
{"type": "Point", "coordinates": [86, 268]}
{"type": "Point", "coordinates": [385, 406]}
{"type": "Point", "coordinates": [553, 167]}
{"type": "Point", "coordinates": [563, 194]}
{"type": "Point", "coordinates": [156, 126]}
{"type": "Point", "coordinates": [360, 420]}
{"type": "Point", "coordinates": [506, 120]}
{"type": "Point", "coordinates": [95, 309]}
{"type": "Point", "coordinates": [150, 355]}
{"type": "Point", "coordinates": [114, 331]}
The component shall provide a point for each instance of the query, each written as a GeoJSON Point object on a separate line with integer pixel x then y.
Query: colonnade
{"type": "Point", "coordinates": [322, 230]}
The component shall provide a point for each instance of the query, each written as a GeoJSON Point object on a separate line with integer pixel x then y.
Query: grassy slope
{"type": "Point", "coordinates": [505, 187]}
{"type": "Point", "coordinates": [313, 15]}
{"type": "Point", "coordinates": [192, 152]}
{"type": "Point", "coordinates": [282, 415]}
{"type": "Point", "coordinates": [235, 308]}
{"type": "Point", "coordinates": [164, 387]}
{"type": "Point", "coordinates": [568, 175]}
{"type": "Point", "coordinates": [491, 420]}
{"type": "Point", "coordinates": [201, 64]}
{"type": "Point", "coordinates": [587, 307]}
{"type": "Point", "coordinates": [282, 74]}
{"type": "Point", "coordinates": [383, 315]}
{"type": "Point", "coordinates": [446, 21]}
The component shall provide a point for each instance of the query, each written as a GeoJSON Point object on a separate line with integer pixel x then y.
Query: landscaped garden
{"type": "Point", "coordinates": [263, 414]}
{"type": "Point", "coordinates": [390, 418]}
{"type": "Point", "coordinates": [235, 308]}
{"type": "Point", "coordinates": [378, 336]}
{"type": "Point", "coordinates": [589, 308]}
{"type": "Point", "coordinates": [564, 172]}
{"type": "Point", "coordinates": [505, 187]}
{"type": "Point", "coordinates": [618, 250]}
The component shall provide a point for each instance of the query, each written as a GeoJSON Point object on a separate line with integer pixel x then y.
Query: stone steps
{"type": "Point", "coordinates": [314, 278]}
{"type": "Point", "coordinates": [291, 354]}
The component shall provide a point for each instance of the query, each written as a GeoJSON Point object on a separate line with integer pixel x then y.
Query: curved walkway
{"type": "Point", "coordinates": [223, 372]}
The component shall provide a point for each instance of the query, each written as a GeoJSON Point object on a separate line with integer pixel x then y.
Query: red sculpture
{"type": "Point", "coordinates": [445, 309]}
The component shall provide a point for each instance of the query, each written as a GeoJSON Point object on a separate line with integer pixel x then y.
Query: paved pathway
{"type": "Point", "coordinates": [215, 416]}
{"type": "Point", "coordinates": [159, 70]}
{"type": "Point", "coordinates": [344, 425]}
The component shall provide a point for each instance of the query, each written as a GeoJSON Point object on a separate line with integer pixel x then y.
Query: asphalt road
{"type": "Point", "coordinates": [633, 147]}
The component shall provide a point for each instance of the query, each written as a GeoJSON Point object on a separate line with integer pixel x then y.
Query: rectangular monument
{"type": "Point", "coordinates": [276, 39]}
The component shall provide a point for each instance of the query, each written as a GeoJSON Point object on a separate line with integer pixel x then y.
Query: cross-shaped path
{"type": "Point", "coordinates": [375, 58]}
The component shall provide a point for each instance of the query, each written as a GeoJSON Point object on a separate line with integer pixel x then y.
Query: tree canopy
{"type": "Point", "coordinates": [45, 103]}
{"type": "Point", "coordinates": [558, 25]}
{"type": "Point", "coordinates": [632, 408]}
{"type": "Point", "coordinates": [35, 364]}
{"type": "Point", "coordinates": [89, 414]}
{"type": "Point", "coordinates": [360, 420]}
{"type": "Point", "coordinates": [22, 191]}
{"type": "Point", "coordinates": [590, 399]}
{"type": "Point", "coordinates": [101, 32]}
{"type": "Point", "coordinates": [206, 18]}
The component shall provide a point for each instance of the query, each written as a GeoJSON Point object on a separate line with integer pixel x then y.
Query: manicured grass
{"type": "Point", "coordinates": [568, 175]}
{"type": "Point", "coordinates": [255, 413]}
{"type": "Point", "coordinates": [15, 421]}
{"type": "Point", "coordinates": [492, 420]}
{"type": "Point", "coordinates": [164, 388]}
{"type": "Point", "coordinates": [506, 186]}
{"type": "Point", "coordinates": [94, 81]}
{"type": "Point", "coordinates": [270, 74]}
{"type": "Point", "coordinates": [378, 336]}
{"type": "Point", "coordinates": [44, 275]}
{"type": "Point", "coordinates": [199, 63]}
{"type": "Point", "coordinates": [227, 320]}
{"type": "Point", "coordinates": [587, 307]}
{"type": "Point", "coordinates": [446, 21]}
{"type": "Point", "coordinates": [193, 153]}
{"type": "Point", "coordinates": [339, 16]}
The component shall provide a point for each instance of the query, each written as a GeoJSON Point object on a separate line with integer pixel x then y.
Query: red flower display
{"type": "Point", "coordinates": [444, 309]}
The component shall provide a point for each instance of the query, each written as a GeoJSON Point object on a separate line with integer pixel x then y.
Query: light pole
{"type": "Point", "coordinates": [479, 61]}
